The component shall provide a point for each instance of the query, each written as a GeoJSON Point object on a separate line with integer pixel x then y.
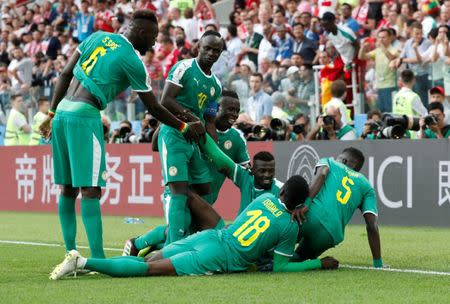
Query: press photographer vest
{"type": "Point", "coordinates": [343, 131]}
{"type": "Point", "coordinates": [15, 136]}
{"type": "Point", "coordinates": [35, 134]}
{"type": "Point", "coordinates": [402, 103]}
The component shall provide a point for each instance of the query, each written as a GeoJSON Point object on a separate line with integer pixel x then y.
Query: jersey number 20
{"type": "Point", "coordinates": [88, 64]}
{"type": "Point", "coordinates": [260, 224]}
{"type": "Point", "coordinates": [346, 181]}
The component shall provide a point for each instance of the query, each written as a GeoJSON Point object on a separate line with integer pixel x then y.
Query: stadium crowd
{"type": "Point", "coordinates": [397, 50]}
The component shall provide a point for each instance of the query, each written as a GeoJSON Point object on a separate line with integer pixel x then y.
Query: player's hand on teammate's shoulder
{"type": "Point", "coordinates": [299, 214]}
{"type": "Point", "coordinates": [329, 263]}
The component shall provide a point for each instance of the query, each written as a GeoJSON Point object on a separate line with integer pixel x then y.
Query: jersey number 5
{"type": "Point", "coordinates": [260, 224]}
{"type": "Point", "coordinates": [346, 181]}
{"type": "Point", "coordinates": [88, 64]}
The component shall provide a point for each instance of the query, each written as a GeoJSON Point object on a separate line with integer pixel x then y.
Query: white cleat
{"type": "Point", "coordinates": [68, 266]}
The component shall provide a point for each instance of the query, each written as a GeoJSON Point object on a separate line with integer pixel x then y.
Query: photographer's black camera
{"type": "Point", "coordinates": [430, 120]}
{"type": "Point", "coordinates": [396, 126]}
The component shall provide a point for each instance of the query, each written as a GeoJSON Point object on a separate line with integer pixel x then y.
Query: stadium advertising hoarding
{"type": "Point", "coordinates": [411, 178]}
{"type": "Point", "coordinates": [133, 179]}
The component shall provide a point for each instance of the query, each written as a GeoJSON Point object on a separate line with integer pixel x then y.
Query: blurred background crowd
{"type": "Point", "coordinates": [317, 69]}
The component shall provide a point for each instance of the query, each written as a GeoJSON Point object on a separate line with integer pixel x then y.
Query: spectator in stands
{"type": "Point", "coordinates": [437, 94]}
{"type": "Point", "coordinates": [302, 45]}
{"type": "Point", "coordinates": [311, 29]}
{"type": "Point", "coordinates": [43, 107]}
{"type": "Point", "coordinates": [279, 101]}
{"type": "Point", "coordinates": [436, 53]}
{"type": "Point", "coordinates": [411, 55]}
{"type": "Point", "coordinates": [386, 82]}
{"type": "Point", "coordinates": [338, 93]}
{"type": "Point", "coordinates": [347, 19]}
{"type": "Point", "coordinates": [284, 44]}
{"type": "Point", "coordinates": [289, 85]}
{"type": "Point", "coordinates": [331, 127]}
{"type": "Point", "coordinates": [433, 125]}
{"type": "Point", "coordinates": [267, 46]}
{"type": "Point", "coordinates": [252, 42]}
{"type": "Point", "coordinates": [103, 17]}
{"type": "Point", "coordinates": [85, 22]}
{"type": "Point", "coordinates": [17, 128]}
{"type": "Point", "coordinates": [299, 128]}
{"type": "Point", "coordinates": [407, 102]}
{"type": "Point", "coordinates": [343, 38]}
{"type": "Point", "coordinates": [306, 88]}
{"type": "Point", "coordinates": [124, 134]}
{"type": "Point", "coordinates": [259, 103]}
{"type": "Point", "coordinates": [20, 71]}
{"type": "Point", "coordinates": [233, 43]}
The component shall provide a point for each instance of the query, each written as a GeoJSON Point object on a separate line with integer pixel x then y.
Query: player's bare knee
{"type": "Point", "coordinates": [91, 192]}
{"type": "Point", "coordinates": [69, 191]}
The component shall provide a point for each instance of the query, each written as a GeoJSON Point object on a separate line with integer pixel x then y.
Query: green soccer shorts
{"type": "Point", "coordinates": [315, 239]}
{"type": "Point", "coordinates": [181, 161]}
{"type": "Point", "coordinates": [202, 253]}
{"type": "Point", "coordinates": [78, 145]}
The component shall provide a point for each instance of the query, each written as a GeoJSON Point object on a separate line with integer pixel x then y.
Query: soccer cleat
{"type": "Point", "coordinates": [68, 266]}
{"type": "Point", "coordinates": [129, 248]}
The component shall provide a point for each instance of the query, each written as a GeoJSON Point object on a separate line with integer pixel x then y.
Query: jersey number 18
{"type": "Point", "coordinates": [260, 224]}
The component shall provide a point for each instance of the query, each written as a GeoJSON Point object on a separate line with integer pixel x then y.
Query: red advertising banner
{"type": "Point", "coordinates": [134, 184]}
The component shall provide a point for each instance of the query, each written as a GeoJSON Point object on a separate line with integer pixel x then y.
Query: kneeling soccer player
{"type": "Point", "coordinates": [264, 225]}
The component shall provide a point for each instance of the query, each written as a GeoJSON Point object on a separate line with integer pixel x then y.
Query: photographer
{"type": "Point", "coordinates": [432, 125]}
{"type": "Point", "coordinates": [148, 127]}
{"type": "Point", "coordinates": [372, 125]}
{"type": "Point", "coordinates": [299, 128]}
{"type": "Point", "coordinates": [124, 134]}
{"type": "Point", "coordinates": [331, 127]}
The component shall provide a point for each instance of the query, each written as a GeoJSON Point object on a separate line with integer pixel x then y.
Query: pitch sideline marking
{"type": "Point", "coordinates": [49, 245]}
{"type": "Point", "coordinates": [415, 271]}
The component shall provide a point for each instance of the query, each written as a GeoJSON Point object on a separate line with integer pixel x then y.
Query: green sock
{"type": "Point", "coordinates": [129, 257]}
{"type": "Point", "coordinates": [68, 220]}
{"type": "Point", "coordinates": [118, 267]}
{"type": "Point", "coordinates": [153, 237]}
{"type": "Point", "coordinates": [178, 222]}
{"type": "Point", "coordinates": [92, 220]}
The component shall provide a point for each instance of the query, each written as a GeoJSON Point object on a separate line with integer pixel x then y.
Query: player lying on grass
{"type": "Point", "coordinates": [252, 183]}
{"type": "Point", "coordinates": [336, 191]}
{"type": "Point", "coordinates": [264, 225]}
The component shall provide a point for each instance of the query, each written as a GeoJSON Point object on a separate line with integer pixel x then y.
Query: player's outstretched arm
{"type": "Point", "coordinates": [220, 159]}
{"type": "Point", "coordinates": [168, 100]}
{"type": "Point", "coordinates": [373, 237]}
{"type": "Point", "coordinates": [192, 131]}
{"type": "Point", "coordinates": [281, 264]}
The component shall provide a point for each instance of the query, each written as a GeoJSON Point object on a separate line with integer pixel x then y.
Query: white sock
{"type": "Point", "coordinates": [81, 262]}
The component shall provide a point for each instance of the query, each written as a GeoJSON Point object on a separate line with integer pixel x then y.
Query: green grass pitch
{"type": "Point", "coordinates": [24, 270]}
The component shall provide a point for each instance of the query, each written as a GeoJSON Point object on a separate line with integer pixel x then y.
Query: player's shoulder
{"type": "Point", "coordinates": [277, 183]}
{"type": "Point", "coordinates": [184, 65]}
{"type": "Point", "coordinates": [237, 135]}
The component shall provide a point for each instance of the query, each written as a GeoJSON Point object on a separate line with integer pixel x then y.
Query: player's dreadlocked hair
{"type": "Point", "coordinates": [264, 156]}
{"type": "Point", "coordinates": [296, 190]}
{"type": "Point", "coordinates": [144, 14]}
{"type": "Point", "coordinates": [357, 155]}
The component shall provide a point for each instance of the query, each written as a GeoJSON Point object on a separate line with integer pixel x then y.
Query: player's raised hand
{"type": "Point", "coordinates": [46, 127]}
{"type": "Point", "coordinates": [298, 214]}
{"type": "Point", "coordinates": [329, 263]}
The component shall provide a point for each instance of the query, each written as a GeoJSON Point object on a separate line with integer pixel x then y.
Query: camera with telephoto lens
{"type": "Point", "coordinates": [395, 127]}
{"type": "Point", "coordinates": [298, 128]}
{"type": "Point", "coordinates": [279, 129]}
{"type": "Point", "coordinates": [254, 132]}
{"type": "Point", "coordinates": [126, 135]}
{"type": "Point", "coordinates": [430, 120]}
{"type": "Point", "coordinates": [328, 120]}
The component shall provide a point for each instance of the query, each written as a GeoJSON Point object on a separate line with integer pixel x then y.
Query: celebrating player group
{"type": "Point", "coordinates": [279, 227]}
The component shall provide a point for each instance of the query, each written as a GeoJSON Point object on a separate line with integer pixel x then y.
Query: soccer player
{"type": "Point", "coordinates": [336, 191]}
{"type": "Point", "coordinates": [260, 179]}
{"type": "Point", "coordinates": [266, 224]}
{"type": "Point", "coordinates": [191, 91]}
{"type": "Point", "coordinates": [104, 65]}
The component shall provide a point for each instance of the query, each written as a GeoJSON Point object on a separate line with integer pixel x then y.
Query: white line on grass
{"type": "Point", "coordinates": [48, 245]}
{"type": "Point", "coordinates": [416, 271]}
